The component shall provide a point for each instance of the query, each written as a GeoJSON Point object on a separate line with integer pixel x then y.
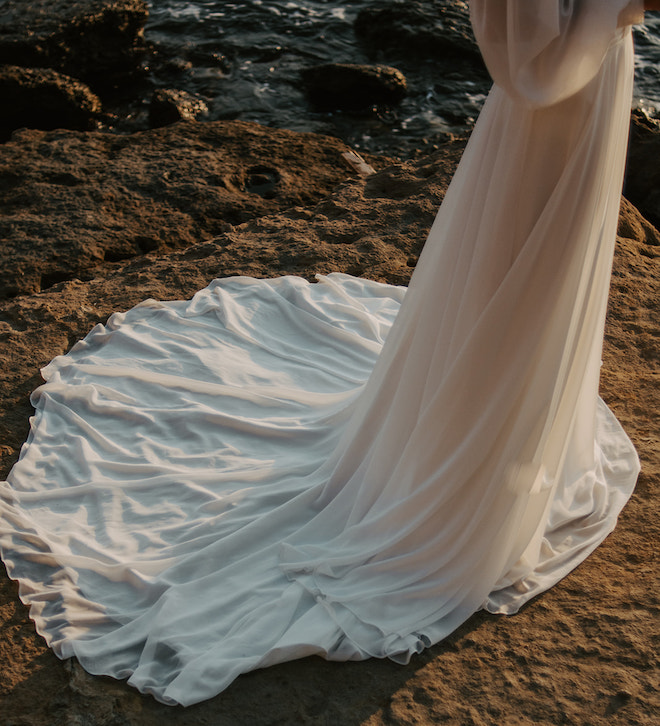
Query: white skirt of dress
{"type": "Point", "coordinates": [179, 448]}
{"type": "Point", "coordinates": [277, 468]}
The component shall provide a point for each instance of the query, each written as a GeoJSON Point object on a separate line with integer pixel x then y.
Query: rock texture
{"type": "Point", "coordinates": [643, 174]}
{"type": "Point", "coordinates": [94, 40]}
{"type": "Point", "coordinates": [353, 87]}
{"type": "Point", "coordinates": [581, 653]}
{"type": "Point", "coordinates": [421, 28]}
{"type": "Point", "coordinates": [40, 98]}
{"type": "Point", "coordinates": [169, 105]}
{"type": "Point", "coordinates": [71, 201]}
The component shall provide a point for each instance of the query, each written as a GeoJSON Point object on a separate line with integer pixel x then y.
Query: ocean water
{"type": "Point", "coordinates": [244, 57]}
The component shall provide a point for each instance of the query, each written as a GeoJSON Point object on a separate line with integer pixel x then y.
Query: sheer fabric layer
{"type": "Point", "coordinates": [276, 468]}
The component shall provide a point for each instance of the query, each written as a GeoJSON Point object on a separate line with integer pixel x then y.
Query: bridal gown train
{"type": "Point", "coordinates": [275, 468]}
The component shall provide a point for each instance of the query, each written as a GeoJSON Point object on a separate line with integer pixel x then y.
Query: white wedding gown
{"type": "Point", "coordinates": [276, 468]}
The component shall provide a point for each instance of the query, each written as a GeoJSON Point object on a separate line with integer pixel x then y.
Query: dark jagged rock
{"type": "Point", "coordinates": [170, 105]}
{"type": "Point", "coordinates": [71, 202]}
{"type": "Point", "coordinates": [643, 173]}
{"type": "Point", "coordinates": [426, 28]}
{"type": "Point", "coordinates": [40, 98]}
{"type": "Point", "coordinates": [353, 87]}
{"type": "Point", "coordinates": [95, 40]}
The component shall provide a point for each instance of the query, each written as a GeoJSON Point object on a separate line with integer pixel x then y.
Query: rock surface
{"type": "Point", "coordinates": [353, 87]}
{"type": "Point", "coordinates": [94, 40]}
{"type": "Point", "coordinates": [71, 201]}
{"type": "Point", "coordinates": [169, 105]}
{"type": "Point", "coordinates": [40, 98]}
{"type": "Point", "coordinates": [581, 653]}
{"type": "Point", "coordinates": [643, 173]}
{"type": "Point", "coordinates": [421, 28]}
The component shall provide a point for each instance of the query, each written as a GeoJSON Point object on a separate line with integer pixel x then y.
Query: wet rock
{"type": "Point", "coordinates": [169, 106]}
{"type": "Point", "coordinates": [40, 98]}
{"type": "Point", "coordinates": [72, 202]}
{"type": "Point", "coordinates": [642, 184]}
{"type": "Point", "coordinates": [95, 40]}
{"type": "Point", "coordinates": [422, 28]}
{"type": "Point", "coordinates": [353, 87]}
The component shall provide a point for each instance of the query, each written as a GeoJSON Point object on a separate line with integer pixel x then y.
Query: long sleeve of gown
{"type": "Point", "coordinates": [543, 51]}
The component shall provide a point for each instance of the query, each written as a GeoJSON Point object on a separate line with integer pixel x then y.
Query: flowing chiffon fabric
{"type": "Point", "coordinates": [275, 468]}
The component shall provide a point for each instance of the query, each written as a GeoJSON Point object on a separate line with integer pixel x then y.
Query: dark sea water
{"type": "Point", "coordinates": [244, 57]}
